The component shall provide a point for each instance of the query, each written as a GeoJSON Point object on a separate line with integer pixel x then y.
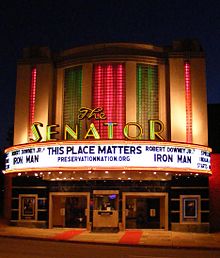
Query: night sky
{"type": "Point", "coordinates": [65, 24]}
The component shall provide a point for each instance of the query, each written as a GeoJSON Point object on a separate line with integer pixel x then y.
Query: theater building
{"type": "Point", "coordinates": [110, 137]}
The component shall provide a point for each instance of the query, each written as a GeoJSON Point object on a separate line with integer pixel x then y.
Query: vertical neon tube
{"type": "Point", "coordinates": [109, 92]}
{"type": "Point", "coordinates": [139, 83]}
{"type": "Point", "coordinates": [139, 95]}
{"type": "Point", "coordinates": [97, 91]}
{"type": "Point", "coordinates": [188, 99]}
{"type": "Point", "coordinates": [32, 99]}
{"type": "Point", "coordinates": [120, 100]}
{"type": "Point", "coordinates": [99, 82]}
{"type": "Point", "coordinates": [149, 93]}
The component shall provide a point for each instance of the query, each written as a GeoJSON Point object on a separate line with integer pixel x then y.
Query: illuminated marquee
{"type": "Point", "coordinates": [101, 155]}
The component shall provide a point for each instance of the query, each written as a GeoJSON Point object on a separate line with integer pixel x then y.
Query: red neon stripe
{"type": "Point", "coordinates": [109, 93]}
{"type": "Point", "coordinates": [120, 99]}
{"type": "Point", "coordinates": [188, 98]}
{"type": "Point", "coordinates": [32, 97]}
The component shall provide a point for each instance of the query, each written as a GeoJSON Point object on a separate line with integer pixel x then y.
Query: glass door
{"type": "Point", "coordinates": [142, 212]}
{"type": "Point", "coordinates": [69, 211]}
{"type": "Point", "coordinates": [75, 212]}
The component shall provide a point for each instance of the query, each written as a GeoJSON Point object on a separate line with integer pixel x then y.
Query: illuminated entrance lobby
{"type": "Point", "coordinates": [110, 137]}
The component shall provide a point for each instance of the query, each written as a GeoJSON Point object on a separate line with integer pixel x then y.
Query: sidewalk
{"type": "Point", "coordinates": [151, 238]}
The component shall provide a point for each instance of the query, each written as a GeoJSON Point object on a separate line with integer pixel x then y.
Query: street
{"type": "Point", "coordinates": [21, 248]}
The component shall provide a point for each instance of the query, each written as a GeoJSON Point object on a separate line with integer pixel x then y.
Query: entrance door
{"type": "Point", "coordinates": [75, 212]}
{"type": "Point", "coordinates": [69, 210]}
{"type": "Point", "coordinates": [153, 212]}
{"type": "Point", "coordinates": [145, 211]}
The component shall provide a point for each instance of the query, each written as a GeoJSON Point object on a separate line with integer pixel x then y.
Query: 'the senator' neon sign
{"type": "Point", "coordinates": [156, 128]}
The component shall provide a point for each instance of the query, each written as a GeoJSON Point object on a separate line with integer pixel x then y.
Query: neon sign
{"type": "Point", "coordinates": [155, 125]}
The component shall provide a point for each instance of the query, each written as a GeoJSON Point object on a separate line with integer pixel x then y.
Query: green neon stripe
{"type": "Point", "coordinates": [72, 96]}
{"type": "Point", "coordinates": [147, 95]}
{"type": "Point", "coordinates": [149, 91]}
{"type": "Point", "coordinates": [139, 93]}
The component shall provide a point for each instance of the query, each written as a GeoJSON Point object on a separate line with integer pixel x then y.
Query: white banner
{"type": "Point", "coordinates": [108, 154]}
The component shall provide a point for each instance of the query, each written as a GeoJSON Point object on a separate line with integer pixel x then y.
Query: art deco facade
{"type": "Point", "coordinates": [111, 137]}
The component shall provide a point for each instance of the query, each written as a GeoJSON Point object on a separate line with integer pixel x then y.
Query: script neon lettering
{"type": "Point", "coordinates": [96, 113]}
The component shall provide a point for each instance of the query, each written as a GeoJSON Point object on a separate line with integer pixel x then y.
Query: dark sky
{"type": "Point", "coordinates": [65, 24]}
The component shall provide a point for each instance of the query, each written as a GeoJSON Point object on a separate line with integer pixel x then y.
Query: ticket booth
{"type": "Point", "coordinates": [105, 212]}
